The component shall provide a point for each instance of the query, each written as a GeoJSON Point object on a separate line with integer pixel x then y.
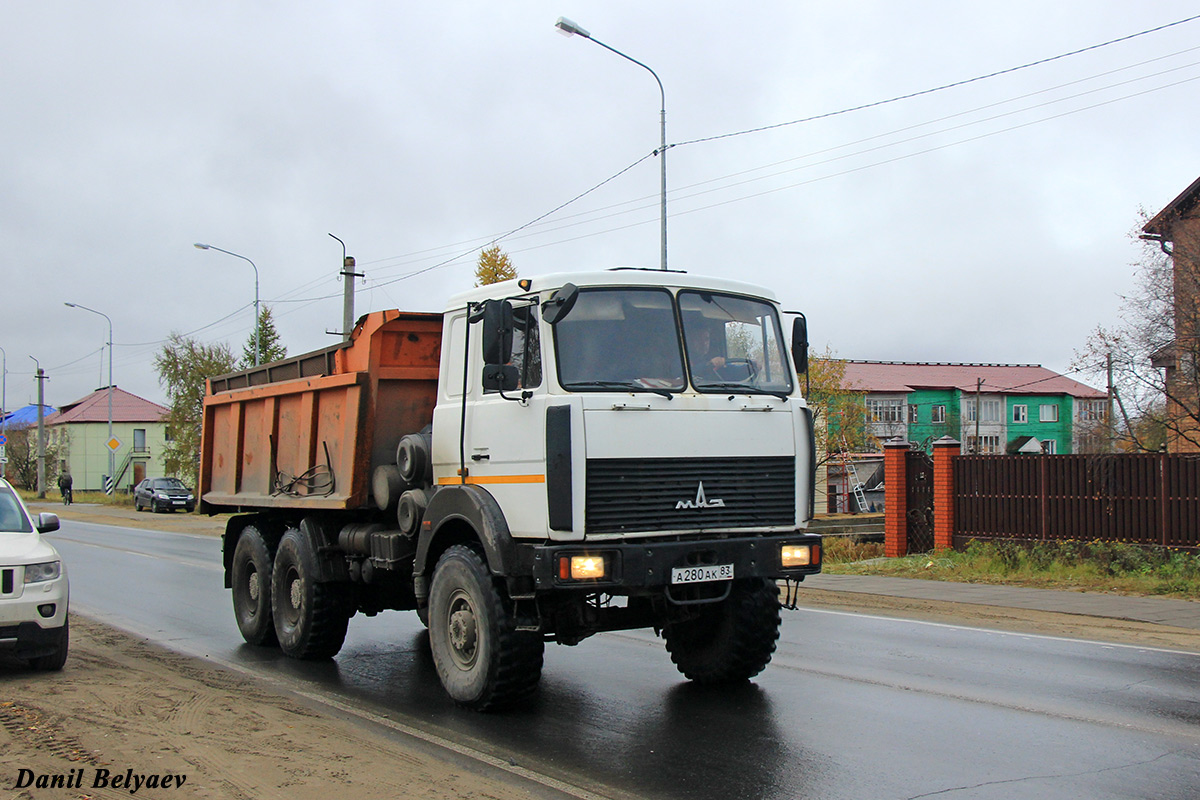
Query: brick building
{"type": "Point", "coordinates": [1177, 229]}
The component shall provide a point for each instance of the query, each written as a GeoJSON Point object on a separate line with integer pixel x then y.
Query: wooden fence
{"type": "Point", "coordinates": [1142, 498]}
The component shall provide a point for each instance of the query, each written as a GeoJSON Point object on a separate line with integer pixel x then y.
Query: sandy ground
{"type": "Point", "coordinates": [121, 704]}
{"type": "Point", "coordinates": [124, 710]}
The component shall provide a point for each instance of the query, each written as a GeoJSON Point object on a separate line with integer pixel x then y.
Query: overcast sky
{"type": "Point", "coordinates": [988, 222]}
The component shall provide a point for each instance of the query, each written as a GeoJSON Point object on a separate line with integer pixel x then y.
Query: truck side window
{"type": "Point", "coordinates": [527, 347]}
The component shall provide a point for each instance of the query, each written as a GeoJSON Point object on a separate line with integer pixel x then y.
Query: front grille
{"type": "Point", "coordinates": [656, 494]}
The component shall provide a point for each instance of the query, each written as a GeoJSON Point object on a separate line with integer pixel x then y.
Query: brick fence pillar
{"type": "Point", "coordinates": [944, 451]}
{"type": "Point", "coordinates": [895, 499]}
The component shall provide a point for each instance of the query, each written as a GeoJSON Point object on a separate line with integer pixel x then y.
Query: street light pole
{"type": "Point", "coordinates": [3, 394]}
{"type": "Point", "coordinates": [200, 246]}
{"type": "Point", "coordinates": [569, 28]}
{"type": "Point", "coordinates": [41, 431]}
{"type": "Point", "coordinates": [111, 453]}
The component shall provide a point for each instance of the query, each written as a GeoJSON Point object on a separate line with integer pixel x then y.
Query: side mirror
{"type": "Point", "coordinates": [499, 378]}
{"type": "Point", "coordinates": [800, 343]}
{"type": "Point", "coordinates": [47, 522]}
{"type": "Point", "coordinates": [560, 303]}
{"type": "Point", "coordinates": [497, 318]}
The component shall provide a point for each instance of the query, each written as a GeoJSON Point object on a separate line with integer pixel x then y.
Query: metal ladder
{"type": "Point", "coordinates": [856, 487]}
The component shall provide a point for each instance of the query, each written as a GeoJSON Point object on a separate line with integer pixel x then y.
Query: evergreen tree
{"type": "Point", "coordinates": [270, 348]}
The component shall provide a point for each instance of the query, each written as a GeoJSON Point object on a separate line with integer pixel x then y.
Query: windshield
{"type": "Point", "coordinates": [620, 338]}
{"type": "Point", "coordinates": [628, 338]}
{"type": "Point", "coordinates": [12, 519]}
{"type": "Point", "coordinates": [733, 343]}
{"type": "Point", "coordinates": [167, 483]}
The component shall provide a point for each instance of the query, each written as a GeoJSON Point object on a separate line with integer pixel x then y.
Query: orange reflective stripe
{"type": "Point", "coordinates": [493, 479]}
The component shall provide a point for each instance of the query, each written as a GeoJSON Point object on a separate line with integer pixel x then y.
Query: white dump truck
{"type": "Point", "coordinates": [547, 459]}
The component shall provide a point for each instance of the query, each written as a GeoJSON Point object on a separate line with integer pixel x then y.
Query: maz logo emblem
{"type": "Point", "coordinates": [701, 501]}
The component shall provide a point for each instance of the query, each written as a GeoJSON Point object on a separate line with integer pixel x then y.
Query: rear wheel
{"type": "Point", "coordinates": [481, 659]}
{"type": "Point", "coordinates": [53, 662]}
{"type": "Point", "coordinates": [310, 617]}
{"type": "Point", "coordinates": [251, 578]}
{"type": "Point", "coordinates": [730, 641]}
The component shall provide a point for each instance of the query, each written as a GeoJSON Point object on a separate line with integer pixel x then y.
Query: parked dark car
{"type": "Point", "coordinates": [163, 494]}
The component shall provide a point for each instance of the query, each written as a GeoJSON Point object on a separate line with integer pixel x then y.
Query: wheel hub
{"type": "Point", "coordinates": [463, 632]}
{"type": "Point", "coordinates": [254, 587]}
{"type": "Point", "coordinates": [294, 594]}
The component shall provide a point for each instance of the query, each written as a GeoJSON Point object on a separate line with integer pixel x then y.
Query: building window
{"type": "Point", "coordinates": [985, 445]}
{"type": "Point", "coordinates": [1092, 410]}
{"type": "Point", "coordinates": [1020, 413]}
{"type": "Point", "coordinates": [1048, 413]}
{"type": "Point", "coordinates": [991, 410]}
{"type": "Point", "coordinates": [1049, 446]}
{"type": "Point", "coordinates": [885, 410]}
{"type": "Point", "coordinates": [913, 417]}
{"type": "Point", "coordinates": [938, 415]}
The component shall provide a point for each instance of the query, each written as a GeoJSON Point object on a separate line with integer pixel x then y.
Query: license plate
{"type": "Point", "coordinates": [717, 572]}
{"type": "Point", "coordinates": [179, 502]}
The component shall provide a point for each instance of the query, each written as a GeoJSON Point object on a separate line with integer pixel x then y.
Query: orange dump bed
{"type": "Point", "coordinates": [308, 431]}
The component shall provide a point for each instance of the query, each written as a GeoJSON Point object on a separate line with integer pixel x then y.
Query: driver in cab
{"type": "Point", "coordinates": [706, 360]}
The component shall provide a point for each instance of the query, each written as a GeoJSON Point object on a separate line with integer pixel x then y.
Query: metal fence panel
{"type": "Point", "coordinates": [1145, 498]}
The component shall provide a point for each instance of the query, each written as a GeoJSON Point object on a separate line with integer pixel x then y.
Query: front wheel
{"type": "Point", "coordinates": [730, 641]}
{"type": "Point", "coordinates": [53, 662]}
{"type": "Point", "coordinates": [310, 619]}
{"type": "Point", "coordinates": [481, 659]}
{"type": "Point", "coordinates": [251, 578]}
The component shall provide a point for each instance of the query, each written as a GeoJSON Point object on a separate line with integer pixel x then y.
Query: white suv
{"type": "Point", "coordinates": [33, 586]}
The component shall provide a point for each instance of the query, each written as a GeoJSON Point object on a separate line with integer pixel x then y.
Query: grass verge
{"type": "Point", "coordinates": [94, 498]}
{"type": "Point", "coordinates": [1113, 567]}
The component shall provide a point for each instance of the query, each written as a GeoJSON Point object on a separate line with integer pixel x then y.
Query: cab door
{"type": "Point", "coordinates": [503, 443]}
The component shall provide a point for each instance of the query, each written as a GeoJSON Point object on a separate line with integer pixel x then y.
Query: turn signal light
{"type": "Point", "coordinates": [581, 568]}
{"type": "Point", "coordinates": [797, 555]}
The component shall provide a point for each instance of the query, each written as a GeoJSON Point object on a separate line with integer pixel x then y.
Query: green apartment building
{"type": "Point", "coordinates": [990, 408]}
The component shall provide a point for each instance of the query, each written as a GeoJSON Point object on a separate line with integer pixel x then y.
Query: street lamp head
{"type": "Point", "coordinates": [72, 305]}
{"type": "Point", "coordinates": [568, 28]}
{"type": "Point", "coordinates": [199, 246]}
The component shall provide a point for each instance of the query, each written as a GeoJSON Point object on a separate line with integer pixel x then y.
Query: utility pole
{"type": "Point", "coordinates": [348, 275]}
{"type": "Point", "coordinates": [41, 443]}
{"type": "Point", "coordinates": [1110, 427]}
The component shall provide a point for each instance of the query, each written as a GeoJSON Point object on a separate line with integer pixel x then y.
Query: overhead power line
{"type": "Point", "coordinates": [936, 89]}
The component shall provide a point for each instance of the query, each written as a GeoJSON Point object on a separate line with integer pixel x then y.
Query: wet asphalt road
{"type": "Point", "coordinates": [851, 707]}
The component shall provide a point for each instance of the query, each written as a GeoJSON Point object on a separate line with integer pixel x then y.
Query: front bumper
{"type": "Point", "coordinates": [648, 564]}
{"type": "Point", "coordinates": [30, 640]}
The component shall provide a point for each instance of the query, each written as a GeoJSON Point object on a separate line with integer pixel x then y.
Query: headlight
{"type": "Point", "coordinates": [36, 573]}
{"type": "Point", "coordinates": [799, 555]}
{"type": "Point", "coordinates": [582, 568]}
{"type": "Point", "coordinates": [159, 496]}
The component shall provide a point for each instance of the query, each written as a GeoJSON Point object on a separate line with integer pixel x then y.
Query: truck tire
{"type": "Point", "coordinates": [251, 578]}
{"type": "Point", "coordinates": [482, 660]}
{"type": "Point", "coordinates": [310, 619]}
{"type": "Point", "coordinates": [731, 641]}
